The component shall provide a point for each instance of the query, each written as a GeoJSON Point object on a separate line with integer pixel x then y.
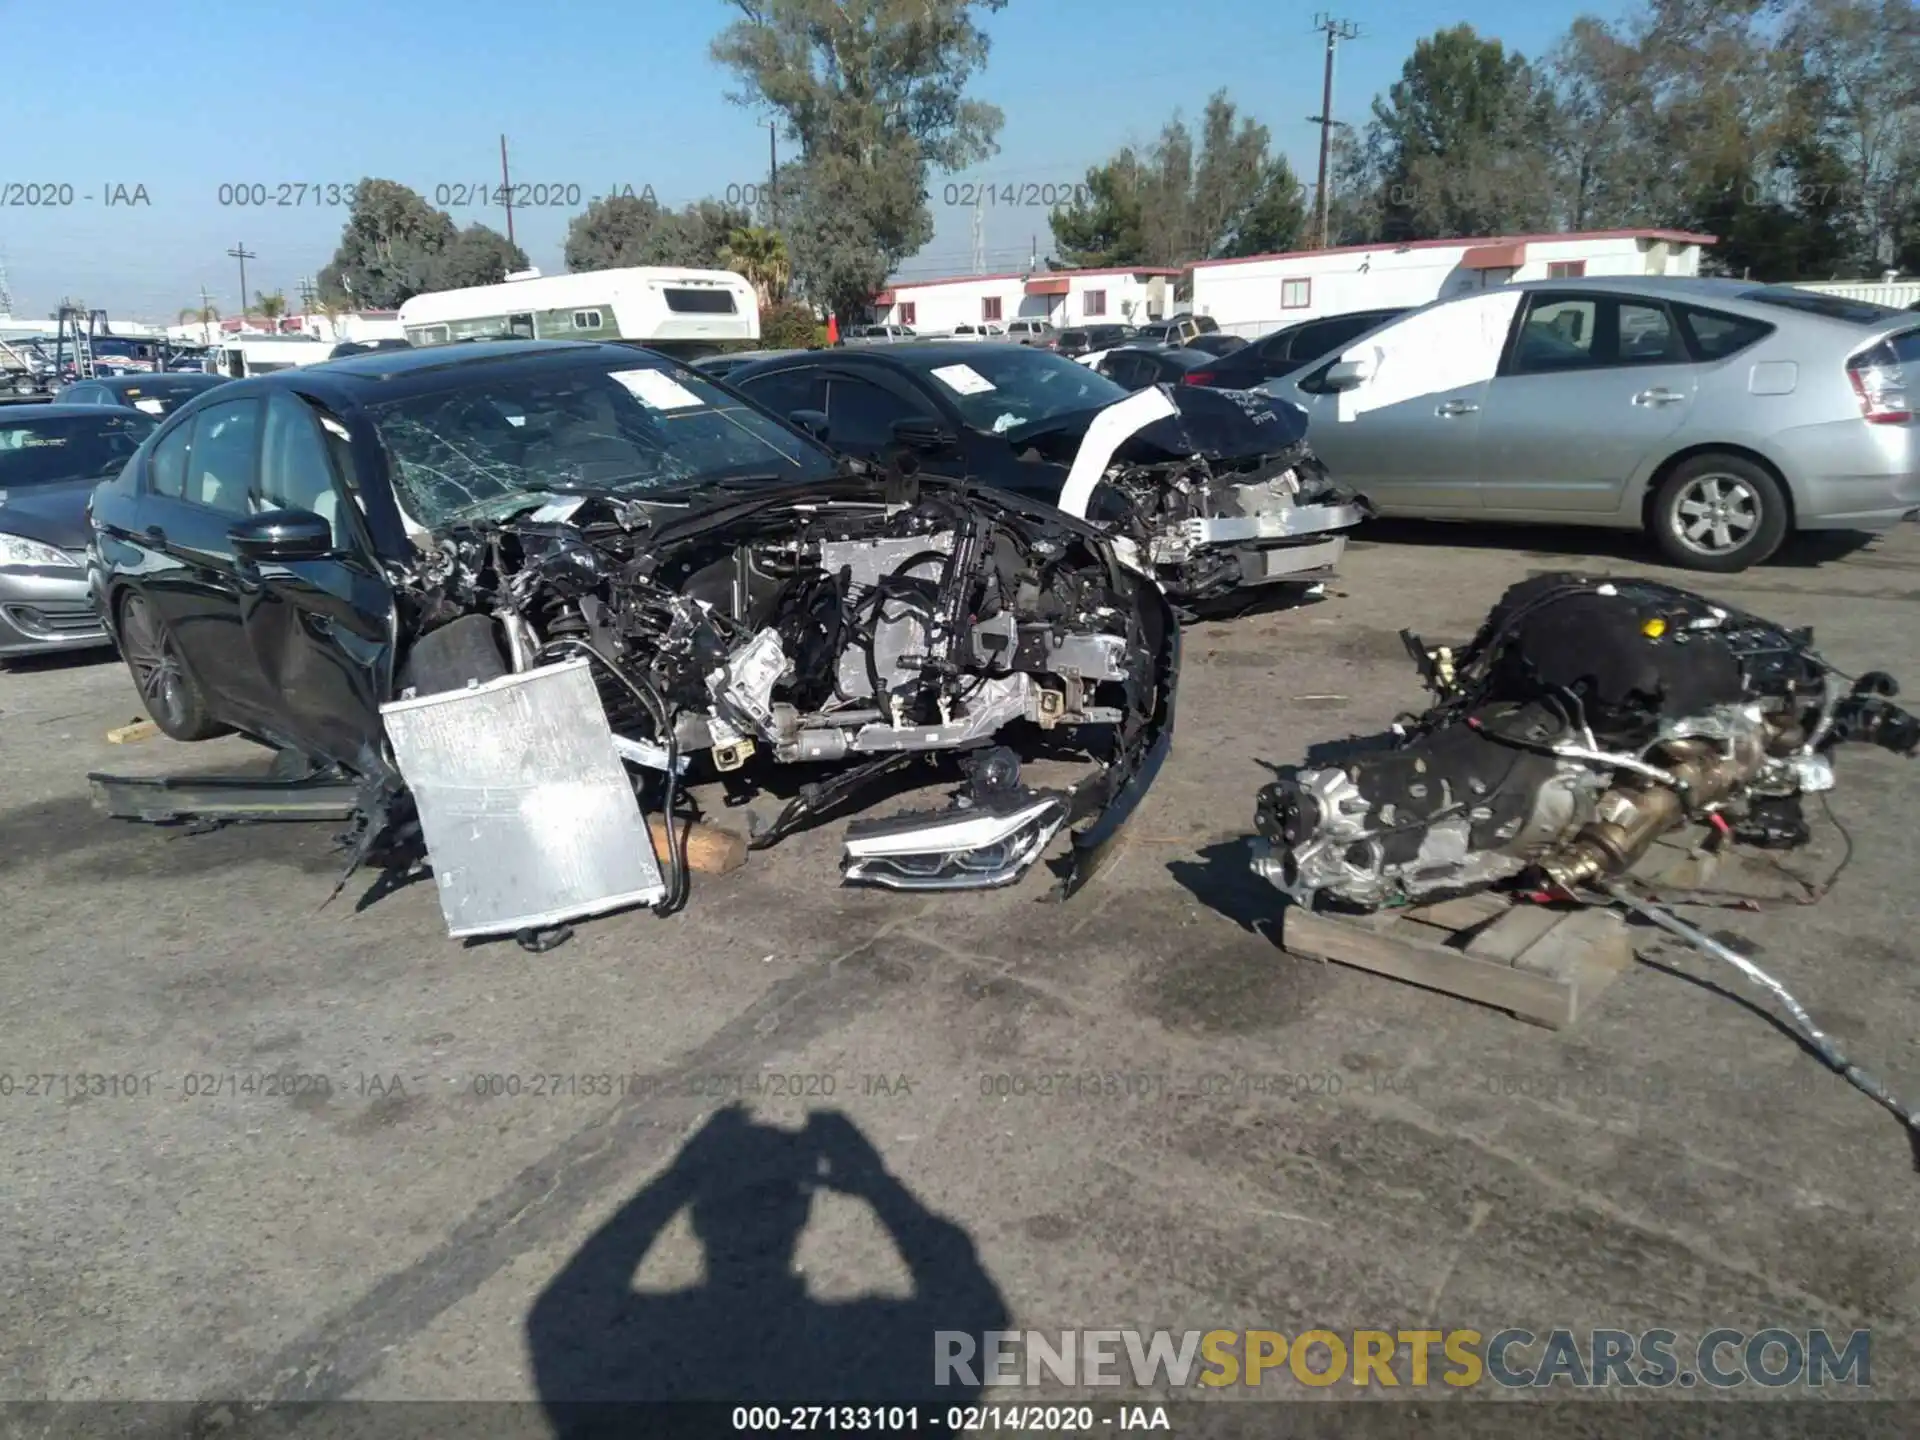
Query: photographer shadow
{"type": "Point", "coordinates": [750, 1333]}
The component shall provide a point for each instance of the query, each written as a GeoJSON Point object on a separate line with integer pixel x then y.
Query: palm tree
{"type": "Point", "coordinates": [272, 307]}
{"type": "Point", "coordinates": [760, 255]}
{"type": "Point", "coordinates": [202, 315]}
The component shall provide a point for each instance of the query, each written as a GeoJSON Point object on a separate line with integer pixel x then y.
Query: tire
{"type": "Point", "coordinates": [1719, 512]}
{"type": "Point", "coordinates": [169, 694]}
{"type": "Point", "coordinates": [459, 651]}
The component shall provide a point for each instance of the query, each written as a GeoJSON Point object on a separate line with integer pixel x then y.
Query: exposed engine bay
{"type": "Point", "coordinates": [1587, 718]}
{"type": "Point", "coordinates": [1221, 490]}
{"type": "Point", "coordinates": [858, 622]}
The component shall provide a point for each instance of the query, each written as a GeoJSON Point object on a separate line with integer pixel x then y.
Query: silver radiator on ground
{"type": "Point", "coordinates": [528, 814]}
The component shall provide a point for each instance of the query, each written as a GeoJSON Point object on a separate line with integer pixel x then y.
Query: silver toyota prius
{"type": "Point", "coordinates": [1717, 415]}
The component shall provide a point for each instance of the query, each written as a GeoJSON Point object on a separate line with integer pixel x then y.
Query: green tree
{"type": "Point", "coordinates": [271, 304]}
{"type": "Point", "coordinates": [388, 248]}
{"type": "Point", "coordinates": [1221, 194]}
{"type": "Point", "coordinates": [1104, 226]}
{"type": "Point", "coordinates": [788, 326]}
{"type": "Point", "coordinates": [625, 230]}
{"type": "Point", "coordinates": [760, 255]}
{"type": "Point", "coordinates": [618, 231]}
{"type": "Point", "coordinates": [1458, 142]}
{"type": "Point", "coordinates": [476, 256]}
{"type": "Point", "coordinates": [874, 92]}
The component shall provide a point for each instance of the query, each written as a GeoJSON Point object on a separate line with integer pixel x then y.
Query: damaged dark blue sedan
{"type": "Point", "coordinates": [508, 594]}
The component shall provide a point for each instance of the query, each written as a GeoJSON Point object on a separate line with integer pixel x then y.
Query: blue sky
{"type": "Point", "coordinates": [591, 94]}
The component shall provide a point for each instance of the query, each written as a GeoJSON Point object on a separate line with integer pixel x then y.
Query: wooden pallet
{"type": "Point", "coordinates": [1543, 964]}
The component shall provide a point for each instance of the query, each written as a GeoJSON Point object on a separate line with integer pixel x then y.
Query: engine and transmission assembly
{"type": "Point", "coordinates": [1589, 717]}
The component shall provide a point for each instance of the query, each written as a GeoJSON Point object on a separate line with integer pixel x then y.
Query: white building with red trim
{"type": "Point", "coordinates": [1119, 295]}
{"type": "Point", "coordinates": [1260, 293]}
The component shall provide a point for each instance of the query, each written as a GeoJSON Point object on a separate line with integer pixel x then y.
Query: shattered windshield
{"type": "Point", "coordinates": [510, 436]}
{"type": "Point", "coordinates": [1016, 387]}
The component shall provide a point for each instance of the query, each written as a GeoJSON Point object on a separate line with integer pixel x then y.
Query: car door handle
{"type": "Point", "coordinates": [1457, 407]}
{"type": "Point", "coordinates": [1658, 397]}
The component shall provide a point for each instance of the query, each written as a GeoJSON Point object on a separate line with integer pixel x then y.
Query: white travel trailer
{"type": "Point", "coordinates": [683, 312]}
{"type": "Point", "coordinates": [237, 356]}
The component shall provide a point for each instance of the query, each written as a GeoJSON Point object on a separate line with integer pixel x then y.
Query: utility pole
{"type": "Point", "coordinates": [979, 238]}
{"type": "Point", "coordinates": [1335, 31]}
{"type": "Point", "coordinates": [243, 255]}
{"type": "Point", "coordinates": [773, 171]}
{"type": "Point", "coordinates": [506, 188]}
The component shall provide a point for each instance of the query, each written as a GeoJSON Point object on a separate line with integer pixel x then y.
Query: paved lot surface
{"type": "Point", "coordinates": [455, 1206]}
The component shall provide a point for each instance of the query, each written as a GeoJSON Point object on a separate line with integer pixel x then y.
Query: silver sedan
{"type": "Point", "coordinates": [1717, 415]}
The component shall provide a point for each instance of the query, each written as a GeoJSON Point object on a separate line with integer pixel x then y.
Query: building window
{"type": "Point", "coordinates": [990, 308]}
{"type": "Point", "coordinates": [1095, 302]}
{"type": "Point", "coordinates": [586, 319]}
{"type": "Point", "coordinates": [1566, 269]}
{"type": "Point", "coordinates": [907, 312]}
{"type": "Point", "coordinates": [1296, 294]}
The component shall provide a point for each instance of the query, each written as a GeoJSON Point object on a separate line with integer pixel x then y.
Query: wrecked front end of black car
{"type": "Point", "coordinates": [859, 623]}
{"type": "Point", "coordinates": [1224, 492]}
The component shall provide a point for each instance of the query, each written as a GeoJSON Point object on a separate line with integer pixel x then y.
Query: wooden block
{"type": "Point", "coordinates": [1462, 912]}
{"type": "Point", "coordinates": [1588, 950]}
{"type": "Point", "coordinates": [1540, 999]}
{"type": "Point", "coordinates": [1521, 927]}
{"type": "Point", "coordinates": [128, 734]}
{"type": "Point", "coordinates": [709, 849]}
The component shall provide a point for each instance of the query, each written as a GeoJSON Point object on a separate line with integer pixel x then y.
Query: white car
{"type": "Point", "coordinates": [985, 331]}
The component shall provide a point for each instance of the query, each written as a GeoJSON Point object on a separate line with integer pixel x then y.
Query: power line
{"type": "Point", "coordinates": [243, 255]}
{"type": "Point", "coordinates": [1335, 31]}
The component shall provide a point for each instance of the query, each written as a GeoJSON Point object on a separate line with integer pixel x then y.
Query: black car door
{"type": "Point", "coordinates": [319, 631]}
{"type": "Point", "coordinates": [861, 413]}
{"type": "Point", "coordinates": [200, 475]}
{"type": "Point", "coordinates": [786, 392]}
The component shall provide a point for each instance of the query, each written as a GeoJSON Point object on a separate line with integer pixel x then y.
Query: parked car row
{"type": "Point", "coordinates": [1716, 415]}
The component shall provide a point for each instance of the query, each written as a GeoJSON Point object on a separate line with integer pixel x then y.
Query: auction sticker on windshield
{"type": "Point", "coordinates": [152, 407]}
{"type": "Point", "coordinates": [963, 379]}
{"type": "Point", "coordinates": [656, 388]}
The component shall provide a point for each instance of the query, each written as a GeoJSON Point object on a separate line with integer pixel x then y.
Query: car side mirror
{"type": "Point", "coordinates": [1349, 375]}
{"type": "Point", "coordinates": [282, 535]}
{"type": "Point", "coordinates": [922, 432]}
{"type": "Point", "coordinates": [814, 422]}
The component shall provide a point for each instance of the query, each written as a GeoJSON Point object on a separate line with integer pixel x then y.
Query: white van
{"type": "Point", "coordinates": [239, 356]}
{"type": "Point", "coordinates": [686, 313]}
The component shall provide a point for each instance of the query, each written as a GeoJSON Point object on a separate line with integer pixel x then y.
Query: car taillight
{"type": "Point", "coordinates": [1880, 381]}
{"type": "Point", "coordinates": [1198, 377]}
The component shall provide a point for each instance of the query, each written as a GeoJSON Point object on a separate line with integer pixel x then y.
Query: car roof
{"type": "Point", "coordinates": [957, 351]}
{"type": "Point", "coordinates": [1744, 297]}
{"type": "Point", "coordinates": [744, 357]}
{"type": "Point", "coordinates": [392, 374]}
{"type": "Point", "coordinates": [54, 410]}
{"type": "Point", "coordinates": [145, 377]}
{"type": "Point", "coordinates": [892, 357]}
{"type": "Point", "coordinates": [392, 364]}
